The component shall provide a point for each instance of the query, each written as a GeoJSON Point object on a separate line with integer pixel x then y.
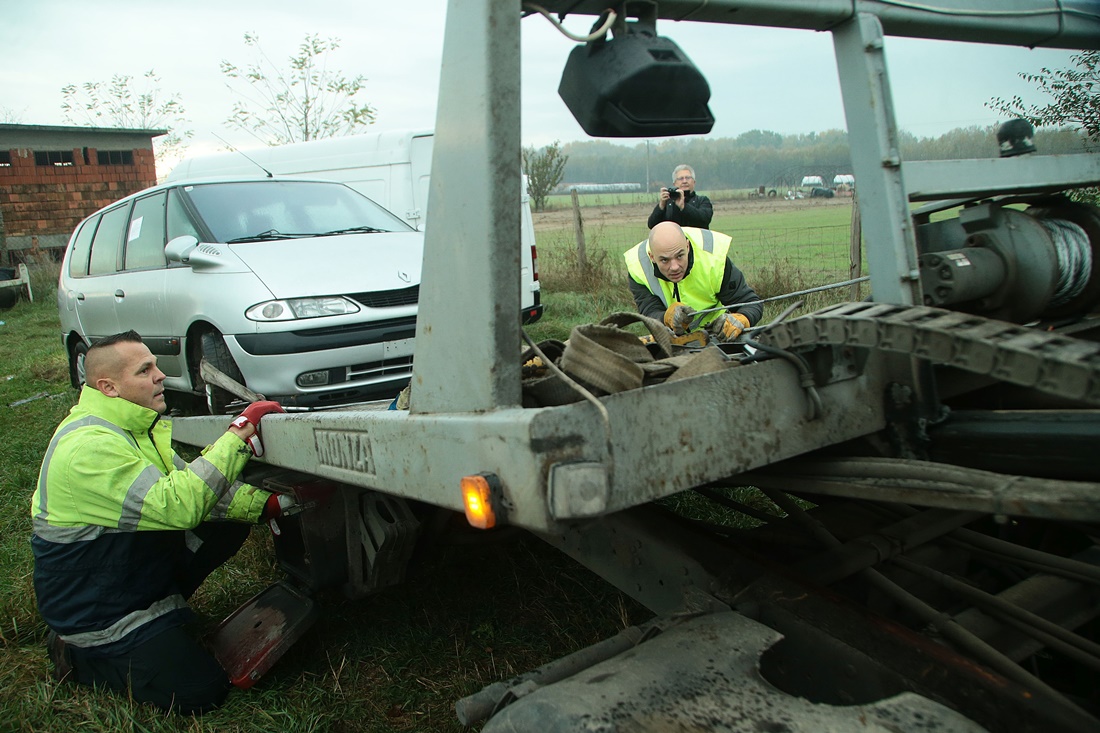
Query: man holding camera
{"type": "Point", "coordinates": [681, 204]}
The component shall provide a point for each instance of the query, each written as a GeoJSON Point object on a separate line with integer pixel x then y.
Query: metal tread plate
{"type": "Point", "coordinates": [704, 675]}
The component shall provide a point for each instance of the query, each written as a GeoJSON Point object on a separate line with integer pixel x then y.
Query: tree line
{"type": "Point", "coordinates": [763, 158]}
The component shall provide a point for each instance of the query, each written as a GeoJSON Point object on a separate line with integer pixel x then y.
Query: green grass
{"type": "Point", "coordinates": [32, 368]}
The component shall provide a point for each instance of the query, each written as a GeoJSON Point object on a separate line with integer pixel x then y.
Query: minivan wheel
{"type": "Point", "coordinates": [212, 348]}
{"type": "Point", "coordinates": [77, 374]}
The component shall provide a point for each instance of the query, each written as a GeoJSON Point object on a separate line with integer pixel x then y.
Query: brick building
{"type": "Point", "coordinates": [53, 176]}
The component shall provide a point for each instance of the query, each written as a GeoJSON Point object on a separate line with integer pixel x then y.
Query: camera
{"type": "Point", "coordinates": [673, 193]}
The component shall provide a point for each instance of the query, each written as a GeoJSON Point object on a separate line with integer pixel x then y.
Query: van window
{"type": "Point", "coordinates": [82, 248]}
{"type": "Point", "coordinates": [179, 223]}
{"type": "Point", "coordinates": [245, 211]}
{"type": "Point", "coordinates": [108, 237]}
{"type": "Point", "coordinates": [145, 235]}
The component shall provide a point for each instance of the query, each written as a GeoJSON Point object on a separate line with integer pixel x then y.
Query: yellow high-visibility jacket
{"type": "Point", "coordinates": [112, 505]}
{"type": "Point", "coordinates": [711, 280]}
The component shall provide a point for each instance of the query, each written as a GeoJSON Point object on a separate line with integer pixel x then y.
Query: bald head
{"type": "Point", "coordinates": [668, 248]}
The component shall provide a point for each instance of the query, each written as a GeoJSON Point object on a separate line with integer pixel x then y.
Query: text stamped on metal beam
{"type": "Point", "coordinates": [349, 450]}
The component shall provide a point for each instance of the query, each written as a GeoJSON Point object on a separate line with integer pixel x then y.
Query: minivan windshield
{"type": "Point", "coordinates": [247, 211]}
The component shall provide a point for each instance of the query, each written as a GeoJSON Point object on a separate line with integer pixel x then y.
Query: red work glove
{"type": "Point", "coordinates": [252, 416]}
{"type": "Point", "coordinates": [278, 505]}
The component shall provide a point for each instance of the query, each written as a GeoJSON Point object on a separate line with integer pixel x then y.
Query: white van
{"type": "Point", "coordinates": [391, 168]}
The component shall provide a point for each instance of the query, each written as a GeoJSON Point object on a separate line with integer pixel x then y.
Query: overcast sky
{"type": "Point", "coordinates": [770, 79]}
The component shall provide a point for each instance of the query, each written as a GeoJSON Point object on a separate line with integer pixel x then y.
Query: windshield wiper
{"type": "Point", "coordinates": [269, 234]}
{"type": "Point", "coordinates": [353, 230]}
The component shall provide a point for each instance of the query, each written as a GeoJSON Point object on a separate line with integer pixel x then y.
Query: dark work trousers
{"type": "Point", "coordinates": [172, 670]}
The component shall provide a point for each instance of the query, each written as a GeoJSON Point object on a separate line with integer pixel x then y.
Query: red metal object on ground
{"type": "Point", "coordinates": [255, 636]}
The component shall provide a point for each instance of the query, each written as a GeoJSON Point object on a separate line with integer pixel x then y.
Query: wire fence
{"type": "Point", "coordinates": [814, 253]}
{"type": "Point", "coordinates": [776, 262]}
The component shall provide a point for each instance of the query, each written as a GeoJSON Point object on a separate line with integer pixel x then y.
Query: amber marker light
{"type": "Point", "coordinates": [481, 497]}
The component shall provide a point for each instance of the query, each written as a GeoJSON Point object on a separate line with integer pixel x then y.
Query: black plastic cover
{"type": "Point", "coordinates": [635, 85]}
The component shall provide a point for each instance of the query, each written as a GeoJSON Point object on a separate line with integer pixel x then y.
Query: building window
{"type": "Point", "coordinates": [53, 157]}
{"type": "Point", "coordinates": [5, 159]}
{"type": "Point", "coordinates": [115, 157]}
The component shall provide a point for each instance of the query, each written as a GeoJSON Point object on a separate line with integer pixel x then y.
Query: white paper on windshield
{"type": "Point", "coordinates": [135, 228]}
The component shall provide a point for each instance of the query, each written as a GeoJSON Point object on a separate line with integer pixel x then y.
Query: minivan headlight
{"type": "Point", "coordinates": [296, 308]}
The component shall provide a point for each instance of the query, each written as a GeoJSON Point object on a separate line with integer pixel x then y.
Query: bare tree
{"type": "Point", "coordinates": [120, 103]}
{"type": "Point", "coordinates": [545, 169]}
{"type": "Point", "coordinates": [308, 101]}
{"type": "Point", "coordinates": [9, 116]}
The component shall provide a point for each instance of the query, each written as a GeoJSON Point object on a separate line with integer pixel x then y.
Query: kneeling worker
{"type": "Point", "coordinates": [679, 271]}
{"type": "Point", "coordinates": [125, 531]}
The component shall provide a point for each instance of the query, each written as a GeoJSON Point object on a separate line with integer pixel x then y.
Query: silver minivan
{"type": "Point", "coordinates": [305, 291]}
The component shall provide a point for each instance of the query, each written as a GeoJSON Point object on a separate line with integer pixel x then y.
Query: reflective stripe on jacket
{"type": "Point", "coordinates": [700, 286]}
{"type": "Point", "coordinates": [110, 511]}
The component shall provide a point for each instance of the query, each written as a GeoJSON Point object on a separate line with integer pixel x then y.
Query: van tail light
{"type": "Point", "coordinates": [534, 263]}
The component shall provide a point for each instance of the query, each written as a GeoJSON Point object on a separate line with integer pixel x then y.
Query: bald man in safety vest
{"type": "Point", "coordinates": [678, 271]}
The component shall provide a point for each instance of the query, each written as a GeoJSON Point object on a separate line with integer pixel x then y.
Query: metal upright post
{"type": "Point", "coordinates": [648, 178]}
{"type": "Point", "coordinates": [469, 293]}
{"type": "Point", "coordinates": [876, 161]}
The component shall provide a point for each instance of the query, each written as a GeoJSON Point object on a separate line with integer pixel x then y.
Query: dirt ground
{"type": "Point", "coordinates": [632, 213]}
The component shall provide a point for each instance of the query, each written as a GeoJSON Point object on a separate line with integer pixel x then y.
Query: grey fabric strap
{"type": "Point", "coordinates": [608, 358]}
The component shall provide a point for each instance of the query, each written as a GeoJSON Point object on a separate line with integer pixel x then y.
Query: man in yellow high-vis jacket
{"type": "Point", "coordinates": [678, 271]}
{"type": "Point", "coordinates": [125, 531]}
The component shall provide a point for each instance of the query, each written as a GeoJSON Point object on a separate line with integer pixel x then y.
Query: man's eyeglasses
{"type": "Point", "coordinates": [685, 178]}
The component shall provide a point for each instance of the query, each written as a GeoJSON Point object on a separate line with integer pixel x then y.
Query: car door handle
{"type": "Point", "coordinates": [120, 293]}
{"type": "Point", "coordinates": [78, 296]}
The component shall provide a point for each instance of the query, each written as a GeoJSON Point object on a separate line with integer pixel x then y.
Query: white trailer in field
{"type": "Point", "coordinates": [932, 450]}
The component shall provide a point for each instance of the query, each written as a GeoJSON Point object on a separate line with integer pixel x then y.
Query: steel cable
{"type": "Point", "coordinates": [1071, 245]}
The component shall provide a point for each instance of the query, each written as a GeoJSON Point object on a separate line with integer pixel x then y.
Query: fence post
{"type": "Point", "coordinates": [3, 240]}
{"type": "Point", "coordinates": [855, 248]}
{"type": "Point", "coordinates": [578, 232]}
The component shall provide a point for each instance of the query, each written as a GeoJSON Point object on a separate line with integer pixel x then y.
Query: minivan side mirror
{"type": "Point", "coordinates": [179, 249]}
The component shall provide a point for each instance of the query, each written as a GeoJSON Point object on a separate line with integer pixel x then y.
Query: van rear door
{"type": "Point", "coordinates": [420, 163]}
